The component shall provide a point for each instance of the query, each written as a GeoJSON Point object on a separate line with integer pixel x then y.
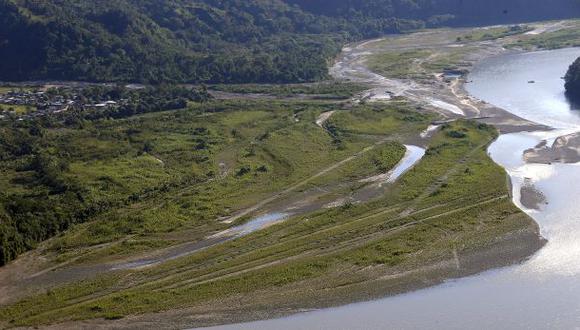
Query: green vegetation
{"type": "Point", "coordinates": [163, 171]}
{"type": "Point", "coordinates": [494, 33]}
{"type": "Point", "coordinates": [212, 41]}
{"type": "Point", "coordinates": [404, 64]}
{"type": "Point", "coordinates": [417, 64]}
{"type": "Point", "coordinates": [377, 121]}
{"type": "Point", "coordinates": [324, 90]}
{"type": "Point", "coordinates": [16, 109]}
{"type": "Point", "coordinates": [566, 36]}
{"type": "Point", "coordinates": [572, 79]}
{"type": "Point", "coordinates": [172, 41]}
{"type": "Point", "coordinates": [454, 201]}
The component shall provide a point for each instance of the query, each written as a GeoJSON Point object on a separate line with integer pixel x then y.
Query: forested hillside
{"type": "Point", "coordinates": [218, 41]}
{"type": "Point", "coordinates": [573, 80]}
{"type": "Point", "coordinates": [151, 41]}
{"type": "Point", "coordinates": [453, 12]}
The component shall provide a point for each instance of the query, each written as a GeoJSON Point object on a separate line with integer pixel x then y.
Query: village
{"type": "Point", "coordinates": [34, 101]}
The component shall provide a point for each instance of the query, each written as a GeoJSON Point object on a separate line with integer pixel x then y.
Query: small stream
{"type": "Point", "coordinates": [413, 155]}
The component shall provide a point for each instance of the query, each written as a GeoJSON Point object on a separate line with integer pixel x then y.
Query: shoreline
{"type": "Point", "coordinates": [508, 249]}
{"type": "Point", "coordinates": [505, 251]}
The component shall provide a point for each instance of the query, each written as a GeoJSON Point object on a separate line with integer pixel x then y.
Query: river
{"type": "Point", "coordinates": [541, 293]}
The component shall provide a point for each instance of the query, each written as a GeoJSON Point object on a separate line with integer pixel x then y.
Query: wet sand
{"type": "Point", "coordinates": [531, 197]}
{"type": "Point", "coordinates": [565, 149]}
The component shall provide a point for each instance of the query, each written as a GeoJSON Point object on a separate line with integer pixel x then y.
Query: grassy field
{"type": "Point", "coordinates": [159, 174]}
{"type": "Point", "coordinates": [494, 33]}
{"type": "Point", "coordinates": [568, 36]}
{"type": "Point", "coordinates": [454, 201]}
{"type": "Point", "coordinates": [404, 64]}
{"type": "Point", "coordinates": [419, 64]}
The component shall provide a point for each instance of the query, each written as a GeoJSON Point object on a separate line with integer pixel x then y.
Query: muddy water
{"type": "Point", "coordinates": [542, 293]}
{"type": "Point", "coordinates": [253, 225]}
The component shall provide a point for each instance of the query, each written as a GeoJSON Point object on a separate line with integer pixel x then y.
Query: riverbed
{"type": "Point", "coordinates": [544, 291]}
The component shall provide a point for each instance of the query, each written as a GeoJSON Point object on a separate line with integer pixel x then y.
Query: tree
{"type": "Point", "coordinates": [572, 79]}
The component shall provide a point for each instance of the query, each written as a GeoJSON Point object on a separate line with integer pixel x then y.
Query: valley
{"type": "Point", "coordinates": [307, 176]}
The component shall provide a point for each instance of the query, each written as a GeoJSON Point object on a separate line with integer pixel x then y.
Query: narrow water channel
{"type": "Point", "coordinates": [542, 293]}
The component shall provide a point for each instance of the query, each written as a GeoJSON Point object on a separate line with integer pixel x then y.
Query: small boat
{"type": "Point", "coordinates": [531, 82]}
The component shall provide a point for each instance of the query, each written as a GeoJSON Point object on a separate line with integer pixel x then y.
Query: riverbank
{"type": "Point", "coordinates": [504, 251]}
{"type": "Point", "coordinates": [508, 295]}
{"type": "Point", "coordinates": [449, 217]}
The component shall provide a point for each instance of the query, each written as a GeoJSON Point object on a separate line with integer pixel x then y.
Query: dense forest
{"type": "Point", "coordinates": [572, 79]}
{"type": "Point", "coordinates": [452, 12]}
{"type": "Point", "coordinates": [218, 41]}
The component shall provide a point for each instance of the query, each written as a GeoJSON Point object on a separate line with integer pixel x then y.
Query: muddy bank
{"type": "Point", "coordinates": [371, 284]}
{"type": "Point", "coordinates": [565, 149]}
{"type": "Point", "coordinates": [531, 197]}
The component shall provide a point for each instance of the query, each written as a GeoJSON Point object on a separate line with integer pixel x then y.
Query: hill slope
{"type": "Point", "coordinates": [453, 11]}
{"type": "Point", "coordinates": [217, 41]}
{"type": "Point", "coordinates": [151, 41]}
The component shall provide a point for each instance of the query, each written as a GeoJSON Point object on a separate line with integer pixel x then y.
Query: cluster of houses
{"type": "Point", "coordinates": [46, 102]}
